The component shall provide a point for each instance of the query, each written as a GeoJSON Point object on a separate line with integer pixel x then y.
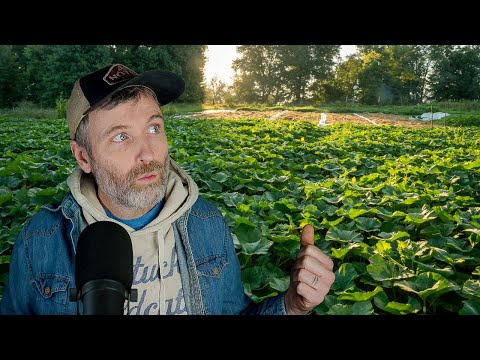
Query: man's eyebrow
{"type": "Point", "coordinates": [155, 116]}
{"type": "Point", "coordinates": [113, 129]}
{"type": "Point", "coordinates": [123, 127]}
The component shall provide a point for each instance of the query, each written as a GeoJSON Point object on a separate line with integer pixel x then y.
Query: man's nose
{"type": "Point", "coordinates": [146, 153]}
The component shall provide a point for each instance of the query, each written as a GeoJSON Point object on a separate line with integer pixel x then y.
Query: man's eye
{"type": "Point", "coordinates": [154, 129]}
{"type": "Point", "coordinates": [120, 138]}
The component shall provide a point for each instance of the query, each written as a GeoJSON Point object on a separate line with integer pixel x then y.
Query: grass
{"type": "Point", "coordinates": [29, 110]}
{"type": "Point", "coordinates": [467, 108]}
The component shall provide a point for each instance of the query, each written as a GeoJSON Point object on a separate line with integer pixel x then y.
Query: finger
{"type": "Point", "coordinates": [307, 235]}
{"type": "Point", "coordinates": [312, 297]}
{"type": "Point", "coordinates": [309, 252]}
{"type": "Point", "coordinates": [320, 276]}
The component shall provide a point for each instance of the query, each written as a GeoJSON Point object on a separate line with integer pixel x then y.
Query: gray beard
{"type": "Point", "coordinates": [125, 192]}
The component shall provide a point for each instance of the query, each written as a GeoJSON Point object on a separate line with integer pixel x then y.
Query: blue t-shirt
{"type": "Point", "coordinates": [141, 221]}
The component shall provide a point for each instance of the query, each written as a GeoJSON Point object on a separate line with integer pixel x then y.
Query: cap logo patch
{"type": "Point", "coordinates": [117, 74]}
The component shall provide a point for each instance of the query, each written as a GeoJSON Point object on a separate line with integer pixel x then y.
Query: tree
{"type": "Point", "coordinates": [187, 61]}
{"type": "Point", "coordinates": [346, 78]}
{"type": "Point", "coordinates": [272, 74]}
{"type": "Point", "coordinates": [53, 69]}
{"type": "Point", "coordinates": [11, 77]}
{"type": "Point", "coordinates": [256, 74]}
{"type": "Point", "coordinates": [408, 66]}
{"type": "Point", "coordinates": [304, 65]}
{"type": "Point", "coordinates": [393, 74]}
{"type": "Point", "coordinates": [191, 60]}
{"type": "Point", "coordinates": [457, 75]}
{"type": "Point", "coordinates": [216, 90]}
{"type": "Point", "coordinates": [374, 80]}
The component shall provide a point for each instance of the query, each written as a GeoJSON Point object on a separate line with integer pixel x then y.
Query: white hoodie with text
{"type": "Point", "coordinates": [155, 267]}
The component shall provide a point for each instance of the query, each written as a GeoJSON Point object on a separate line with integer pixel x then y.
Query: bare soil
{"type": "Point", "coordinates": [314, 117]}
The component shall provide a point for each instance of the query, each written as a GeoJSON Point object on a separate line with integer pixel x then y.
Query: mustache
{"type": "Point", "coordinates": [153, 166]}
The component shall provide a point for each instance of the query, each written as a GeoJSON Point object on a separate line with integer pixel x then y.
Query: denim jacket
{"type": "Point", "coordinates": [42, 268]}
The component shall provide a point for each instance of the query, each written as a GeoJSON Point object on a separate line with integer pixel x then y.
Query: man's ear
{"type": "Point", "coordinates": [81, 156]}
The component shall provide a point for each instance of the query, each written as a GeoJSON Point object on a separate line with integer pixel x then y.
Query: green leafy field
{"type": "Point", "coordinates": [397, 209]}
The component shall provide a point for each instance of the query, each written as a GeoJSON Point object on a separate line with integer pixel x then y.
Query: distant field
{"type": "Point", "coordinates": [314, 117]}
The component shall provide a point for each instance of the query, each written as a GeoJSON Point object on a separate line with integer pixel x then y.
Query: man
{"type": "Point", "coordinates": [184, 260]}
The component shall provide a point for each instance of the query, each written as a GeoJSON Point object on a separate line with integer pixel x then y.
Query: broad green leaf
{"type": "Point", "coordinates": [251, 241]}
{"type": "Point", "coordinates": [386, 213]}
{"type": "Point", "coordinates": [410, 200]}
{"type": "Point", "coordinates": [418, 218]}
{"type": "Point", "coordinates": [213, 186]}
{"type": "Point", "coordinates": [220, 177]}
{"type": "Point", "coordinates": [10, 182]}
{"type": "Point", "coordinates": [368, 224]}
{"type": "Point", "coordinates": [441, 230]}
{"type": "Point", "coordinates": [382, 270]}
{"type": "Point", "coordinates": [4, 259]}
{"type": "Point", "coordinates": [280, 284]}
{"type": "Point", "coordinates": [339, 309]}
{"type": "Point", "coordinates": [472, 288]}
{"type": "Point", "coordinates": [335, 234]}
{"type": "Point", "coordinates": [283, 238]}
{"type": "Point", "coordinates": [476, 271]}
{"type": "Point", "coordinates": [285, 206]}
{"type": "Point", "coordinates": [255, 298]}
{"type": "Point", "coordinates": [232, 199]}
{"type": "Point", "coordinates": [392, 307]}
{"type": "Point", "coordinates": [428, 284]}
{"type": "Point", "coordinates": [472, 165]}
{"type": "Point", "coordinates": [326, 304]}
{"type": "Point", "coordinates": [470, 307]}
{"type": "Point", "coordinates": [354, 213]}
{"type": "Point", "coordinates": [333, 200]}
{"type": "Point", "coordinates": [359, 295]}
{"type": "Point", "coordinates": [449, 257]}
{"type": "Point", "coordinates": [344, 277]}
{"type": "Point", "coordinates": [275, 217]}
{"type": "Point", "coordinates": [334, 222]}
{"type": "Point", "coordinates": [341, 252]}
{"type": "Point", "coordinates": [258, 247]}
{"type": "Point", "coordinates": [243, 208]}
{"type": "Point", "coordinates": [5, 197]}
{"type": "Point", "coordinates": [460, 245]}
{"type": "Point", "coordinates": [392, 236]}
{"type": "Point", "coordinates": [358, 308]}
{"type": "Point", "coordinates": [256, 276]}
{"type": "Point", "coordinates": [331, 167]}
{"type": "Point", "coordinates": [446, 271]}
{"type": "Point", "coordinates": [475, 231]}
{"type": "Point", "coordinates": [383, 247]}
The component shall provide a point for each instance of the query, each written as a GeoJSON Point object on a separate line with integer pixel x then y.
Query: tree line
{"type": "Point", "coordinates": [374, 75]}
{"type": "Point", "coordinates": [43, 74]}
{"type": "Point", "coordinates": [263, 74]}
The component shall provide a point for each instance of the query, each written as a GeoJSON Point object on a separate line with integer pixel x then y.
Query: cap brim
{"type": "Point", "coordinates": [166, 85]}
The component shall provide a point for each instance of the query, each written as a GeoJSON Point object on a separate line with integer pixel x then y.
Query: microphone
{"type": "Point", "coordinates": [103, 270]}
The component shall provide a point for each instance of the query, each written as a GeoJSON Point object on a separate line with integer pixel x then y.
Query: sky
{"type": "Point", "coordinates": [220, 57]}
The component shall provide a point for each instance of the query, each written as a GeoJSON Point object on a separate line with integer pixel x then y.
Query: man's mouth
{"type": "Point", "coordinates": [148, 177]}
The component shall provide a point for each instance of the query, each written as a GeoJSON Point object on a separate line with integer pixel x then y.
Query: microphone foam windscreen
{"type": "Point", "coordinates": [104, 251]}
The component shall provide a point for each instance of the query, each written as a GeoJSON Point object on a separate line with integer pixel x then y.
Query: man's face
{"type": "Point", "coordinates": [130, 153]}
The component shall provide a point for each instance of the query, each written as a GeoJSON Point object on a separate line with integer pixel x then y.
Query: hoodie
{"type": "Point", "coordinates": [156, 273]}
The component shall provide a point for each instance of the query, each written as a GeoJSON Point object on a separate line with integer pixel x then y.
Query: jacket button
{"type": "Point", "coordinates": [46, 291]}
{"type": "Point", "coordinates": [215, 270]}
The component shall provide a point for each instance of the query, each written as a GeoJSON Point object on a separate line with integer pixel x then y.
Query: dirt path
{"type": "Point", "coordinates": [314, 117]}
